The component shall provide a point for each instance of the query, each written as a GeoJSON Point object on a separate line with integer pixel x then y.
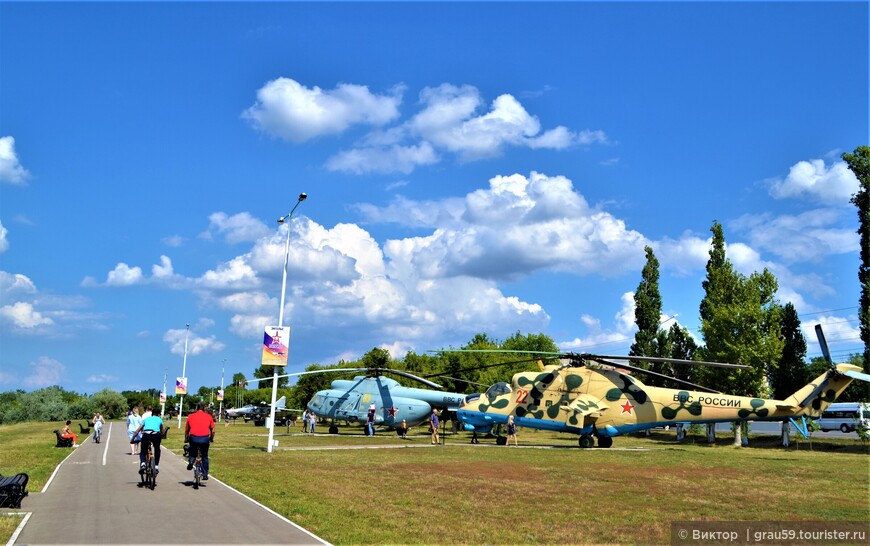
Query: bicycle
{"type": "Point", "coordinates": [98, 434]}
{"type": "Point", "coordinates": [147, 475]}
{"type": "Point", "coordinates": [197, 472]}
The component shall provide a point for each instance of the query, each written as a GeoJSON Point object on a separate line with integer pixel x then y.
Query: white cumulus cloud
{"type": "Point", "coordinates": [124, 275]}
{"type": "Point", "coordinates": [287, 109]}
{"type": "Point", "coordinates": [238, 228]}
{"type": "Point", "coordinates": [814, 181]}
{"type": "Point", "coordinates": [4, 242]}
{"type": "Point", "coordinates": [45, 372]}
{"type": "Point", "coordinates": [22, 315]}
{"type": "Point", "coordinates": [11, 170]}
{"type": "Point", "coordinates": [196, 345]}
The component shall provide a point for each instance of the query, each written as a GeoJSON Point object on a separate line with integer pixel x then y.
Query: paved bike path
{"type": "Point", "coordinates": [95, 498]}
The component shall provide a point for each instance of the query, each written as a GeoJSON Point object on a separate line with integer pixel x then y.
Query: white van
{"type": "Point", "coordinates": [845, 417]}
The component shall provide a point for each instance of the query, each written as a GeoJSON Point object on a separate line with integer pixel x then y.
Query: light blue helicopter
{"type": "Point", "coordinates": [351, 400]}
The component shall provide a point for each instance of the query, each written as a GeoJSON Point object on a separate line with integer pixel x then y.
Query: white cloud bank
{"type": "Point", "coordinates": [451, 119]}
{"type": "Point", "coordinates": [446, 283]}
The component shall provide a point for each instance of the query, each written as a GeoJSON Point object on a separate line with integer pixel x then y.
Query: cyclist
{"type": "Point", "coordinates": [152, 431]}
{"type": "Point", "coordinates": [199, 433]}
{"type": "Point", "coordinates": [98, 426]}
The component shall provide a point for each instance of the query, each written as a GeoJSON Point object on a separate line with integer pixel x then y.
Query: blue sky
{"type": "Point", "coordinates": [485, 167]}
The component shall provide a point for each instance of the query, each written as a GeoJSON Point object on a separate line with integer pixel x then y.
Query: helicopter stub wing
{"type": "Point", "coordinates": [584, 409]}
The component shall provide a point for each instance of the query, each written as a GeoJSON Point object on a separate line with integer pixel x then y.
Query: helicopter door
{"type": "Point", "coordinates": [348, 408]}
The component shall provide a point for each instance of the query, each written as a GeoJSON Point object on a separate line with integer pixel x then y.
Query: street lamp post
{"type": "Point", "coordinates": [281, 220]}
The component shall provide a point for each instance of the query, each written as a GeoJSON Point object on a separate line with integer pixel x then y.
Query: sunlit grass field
{"type": "Point", "coordinates": [548, 491]}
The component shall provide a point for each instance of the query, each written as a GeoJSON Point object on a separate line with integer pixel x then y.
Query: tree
{"type": "Point", "coordinates": [859, 164]}
{"type": "Point", "coordinates": [647, 316]}
{"type": "Point", "coordinates": [791, 372]}
{"type": "Point", "coordinates": [679, 343]}
{"type": "Point", "coordinates": [739, 324]}
{"type": "Point", "coordinates": [266, 373]}
{"type": "Point", "coordinates": [309, 384]}
{"type": "Point", "coordinates": [46, 404]}
{"type": "Point", "coordinates": [112, 404]}
{"type": "Point", "coordinates": [376, 358]}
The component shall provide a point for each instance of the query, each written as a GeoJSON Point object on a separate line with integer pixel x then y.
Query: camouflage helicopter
{"type": "Point", "coordinates": [590, 395]}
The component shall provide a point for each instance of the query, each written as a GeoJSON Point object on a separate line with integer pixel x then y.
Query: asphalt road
{"type": "Point", "coordinates": [94, 498]}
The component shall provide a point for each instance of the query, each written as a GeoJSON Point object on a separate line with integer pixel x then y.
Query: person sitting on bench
{"type": "Point", "coordinates": [66, 432]}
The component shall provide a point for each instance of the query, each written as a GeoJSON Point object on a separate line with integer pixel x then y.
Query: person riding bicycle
{"type": "Point", "coordinates": [98, 426]}
{"type": "Point", "coordinates": [152, 432]}
{"type": "Point", "coordinates": [199, 433]}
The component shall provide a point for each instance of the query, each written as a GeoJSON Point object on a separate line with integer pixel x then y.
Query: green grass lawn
{"type": "Point", "coordinates": [416, 493]}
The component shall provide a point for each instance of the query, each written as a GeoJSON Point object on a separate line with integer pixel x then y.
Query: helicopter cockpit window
{"type": "Point", "coordinates": [317, 401]}
{"type": "Point", "coordinates": [498, 389]}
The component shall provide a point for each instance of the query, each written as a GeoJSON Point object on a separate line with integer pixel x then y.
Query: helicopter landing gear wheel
{"type": "Point", "coordinates": [605, 441]}
{"type": "Point", "coordinates": [333, 429]}
{"type": "Point", "coordinates": [587, 440]}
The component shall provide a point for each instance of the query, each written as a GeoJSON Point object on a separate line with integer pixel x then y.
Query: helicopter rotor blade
{"type": "Point", "coordinates": [485, 366]}
{"type": "Point", "coordinates": [823, 344]}
{"type": "Point", "coordinates": [664, 359]}
{"type": "Point", "coordinates": [659, 375]}
{"type": "Point", "coordinates": [373, 371]}
{"type": "Point", "coordinates": [467, 381]}
{"type": "Point", "coordinates": [408, 375]}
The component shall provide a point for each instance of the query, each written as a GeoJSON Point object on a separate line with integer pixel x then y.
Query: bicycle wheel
{"type": "Point", "coordinates": [197, 473]}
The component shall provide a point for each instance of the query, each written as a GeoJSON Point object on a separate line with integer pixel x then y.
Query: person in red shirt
{"type": "Point", "coordinates": [199, 433]}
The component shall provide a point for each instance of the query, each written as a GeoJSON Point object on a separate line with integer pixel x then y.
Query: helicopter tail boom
{"type": "Point", "coordinates": [821, 391]}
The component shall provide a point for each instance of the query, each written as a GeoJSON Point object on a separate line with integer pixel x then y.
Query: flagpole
{"type": "Point", "coordinates": [221, 401]}
{"type": "Point", "coordinates": [183, 375]}
{"type": "Point", "coordinates": [163, 402]}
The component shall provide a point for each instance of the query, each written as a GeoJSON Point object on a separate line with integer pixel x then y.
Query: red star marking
{"type": "Point", "coordinates": [393, 411]}
{"type": "Point", "coordinates": [627, 407]}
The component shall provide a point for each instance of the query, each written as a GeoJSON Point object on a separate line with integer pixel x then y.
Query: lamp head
{"type": "Point", "coordinates": [303, 196]}
{"type": "Point", "coordinates": [281, 220]}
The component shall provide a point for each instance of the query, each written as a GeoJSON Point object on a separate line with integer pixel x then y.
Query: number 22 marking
{"type": "Point", "coordinates": [521, 396]}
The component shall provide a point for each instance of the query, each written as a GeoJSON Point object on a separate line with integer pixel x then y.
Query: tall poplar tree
{"type": "Point", "coordinates": [739, 324]}
{"type": "Point", "coordinates": [791, 374]}
{"type": "Point", "coordinates": [647, 315]}
{"type": "Point", "coordinates": [859, 164]}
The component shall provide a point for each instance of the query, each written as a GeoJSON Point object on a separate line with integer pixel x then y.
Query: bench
{"type": "Point", "coordinates": [61, 441]}
{"type": "Point", "coordinates": [85, 429]}
{"type": "Point", "coordinates": [12, 490]}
